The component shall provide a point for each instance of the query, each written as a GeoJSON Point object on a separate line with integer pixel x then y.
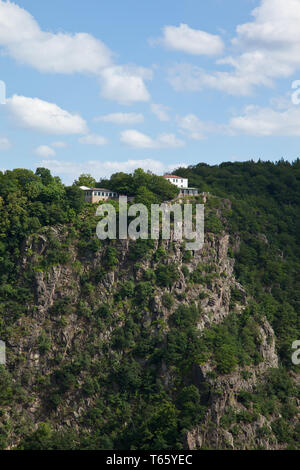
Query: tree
{"type": "Point", "coordinates": [85, 179]}
{"type": "Point", "coordinates": [45, 175]}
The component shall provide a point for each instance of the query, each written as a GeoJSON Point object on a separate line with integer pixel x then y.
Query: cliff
{"type": "Point", "coordinates": [105, 322]}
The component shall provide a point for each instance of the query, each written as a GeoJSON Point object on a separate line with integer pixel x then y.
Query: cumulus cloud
{"type": "Point", "coordinates": [160, 111]}
{"type": "Point", "coordinates": [121, 118]}
{"type": "Point", "coordinates": [193, 127]}
{"type": "Point", "coordinates": [45, 117]}
{"type": "Point", "coordinates": [92, 139]}
{"type": "Point", "coordinates": [103, 169]}
{"type": "Point", "coordinates": [258, 121]}
{"type": "Point", "coordinates": [125, 84]}
{"type": "Point", "coordinates": [266, 48]}
{"type": "Point", "coordinates": [187, 77]}
{"type": "Point", "coordinates": [192, 41]}
{"type": "Point", "coordinates": [45, 151]}
{"type": "Point", "coordinates": [22, 38]}
{"type": "Point", "coordinates": [5, 143]}
{"type": "Point", "coordinates": [254, 121]}
{"type": "Point", "coordinates": [138, 140]}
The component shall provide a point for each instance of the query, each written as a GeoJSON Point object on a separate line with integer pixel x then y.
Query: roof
{"type": "Point", "coordinates": [103, 189]}
{"type": "Point", "coordinates": [174, 176]}
{"type": "Point", "coordinates": [84, 188]}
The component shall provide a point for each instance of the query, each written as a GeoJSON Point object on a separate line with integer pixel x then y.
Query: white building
{"type": "Point", "coordinates": [182, 184]}
{"type": "Point", "coordinates": [178, 181]}
{"type": "Point", "coordinates": [98, 194]}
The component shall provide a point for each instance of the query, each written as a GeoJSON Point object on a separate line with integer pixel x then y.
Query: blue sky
{"type": "Point", "coordinates": [100, 87]}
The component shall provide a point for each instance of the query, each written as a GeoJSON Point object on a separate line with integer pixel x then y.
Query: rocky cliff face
{"type": "Point", "coordinates": [56, 326]}
{"type": "Point", "coordinates": [212, 433]}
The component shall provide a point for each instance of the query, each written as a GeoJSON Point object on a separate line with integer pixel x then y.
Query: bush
{"type": "Point", "coordinates": [167, 275]}
{"type": "Point", "coordinates": [167, 300]}
{"type": "Point", "coordinates": [185, 271]}
{"type": "Point", "coordinates": [225, 359]}
{"type": "Point", "coordinates": [140, 249]}
{"type": "Point", "coordinates": [110, 258]}
{"type": "Point", "coordinates": [44, 343]}
{"type": "Point", "coordinates": [187, 256]}
{"type": "Point", "coordinates": [143, 292]}
{"type": "Point", "coordinates": [160, 253]}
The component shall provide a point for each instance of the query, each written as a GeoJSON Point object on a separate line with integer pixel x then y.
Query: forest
{"type": "Point", "coordinates": [132, 374]}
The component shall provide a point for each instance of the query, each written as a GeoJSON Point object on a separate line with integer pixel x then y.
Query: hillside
{"type": "Point", "coordinates": [144, 345]}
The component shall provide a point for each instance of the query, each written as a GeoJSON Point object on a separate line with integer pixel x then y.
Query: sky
{"type": "Point", "coordinates": [100, 87]}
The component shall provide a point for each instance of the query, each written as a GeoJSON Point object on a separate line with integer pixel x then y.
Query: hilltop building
{"type": "Point", "coordinates": [95, 195]}
{"type": "Point", "coordinates": [182, 184]}
{"type": "Point", "coordinates": [177, 180]}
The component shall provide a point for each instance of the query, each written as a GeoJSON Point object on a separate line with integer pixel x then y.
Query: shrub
{"type": "Point", "coordinates": [143, 292]}
{"type": "Point", "coordinates": [104, 312]}
{"type": "Point", "coordinates": [225, 359]}
{"type": "Point", "coordinates": [167, 300]}
{"type": "Point", "coordinates": [187, 256]}
{"type": "Point", "coordinates": [140, 249]}
{"type": "Point", "coordinates": [44, 343]}
{"type": "Point", "coordinates": [166, 275]}
{"type": "Point", "coordinates": [160, 253]}
{"type": "Point", "coordinates": [110, 259]}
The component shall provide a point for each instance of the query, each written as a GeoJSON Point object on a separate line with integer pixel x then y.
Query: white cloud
{"type": "Point", "coordinates": [103, 169]}
{"type": "Point", "coordinates": [257, 121]}
{"type": "Point", "coordinates": [136, 139]}
{"type": "Point", "coordinates": [59, 144]}
{"type": "Point", "coordinates": [92, 139]}
{"type": "Point", "coordinates": [192, 41]}
{"type": "Point", "coordinates": [168, 141]}
{"type": "Point", "coordinates": [160, 111]}
{"type": "Point", "coordinates": [276, 22]}
{"type": "Point", "coordinates": [22, 39]}
{"type": "Point", "coordinates": [265, 49]}
{"type": "Point", "coordinates": [5, 143]}
{"type": "Point", "coordinates": [45, 151]}
{"type": "Point", "coordinates": [193, 127]}
{"type": "Point", "coordinates": [125, 84]}
{"type": "Point", "coordinates": [254, 121]}
{"type": "Point", "coordinates": [122, 118]}
{"type": "Point", "coordinates": [186, 77]}
{"type": "Point", "coordinates": [42, 116]}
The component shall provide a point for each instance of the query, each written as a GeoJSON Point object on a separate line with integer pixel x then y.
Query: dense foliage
{"type": "Point", "coordinates": [131, 371]}
{"type": "Point", "coordinates": [264, 221]}
{"type": "Point", "coordinates": [146, 187]}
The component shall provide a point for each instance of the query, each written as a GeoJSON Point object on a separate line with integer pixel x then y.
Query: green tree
{"type": "Point", "coordinates": [85, 179]}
